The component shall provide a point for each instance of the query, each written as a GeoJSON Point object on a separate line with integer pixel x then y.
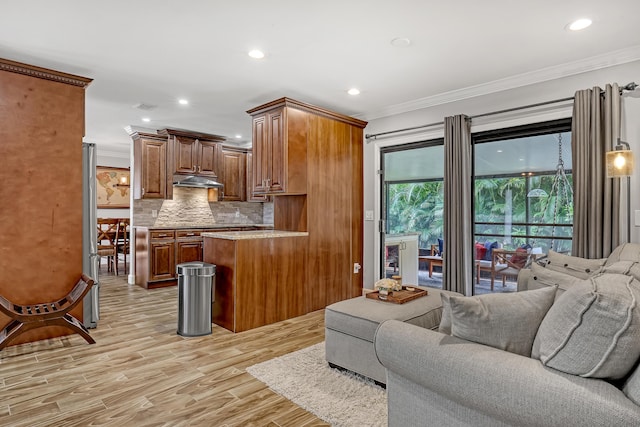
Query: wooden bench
{"type": "Point", "coordinates": [32, 316]}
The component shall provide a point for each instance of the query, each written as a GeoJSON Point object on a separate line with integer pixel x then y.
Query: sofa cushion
{"type": "Point", "coordinates": [625, 252]}
{"type": "Point", "coordinates": [543, 277]}
{"type": "Point", "coordinates": [628, 268]}
{"type": "Point", "coordinates": [507, 321]}
{"type": "Point", "coordinates": [593, 330]}
{"type": "Point", "coordinates": [631, 387]}
{"type": "Point", "coordinates": [574, 266]}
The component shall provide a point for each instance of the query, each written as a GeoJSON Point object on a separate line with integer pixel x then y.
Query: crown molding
{"type": "Point", "coordinates": [585, 65]}
{"type": "Point", "coordinates": [43, 73]}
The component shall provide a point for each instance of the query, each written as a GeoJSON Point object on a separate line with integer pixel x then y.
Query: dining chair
{"type": "Point", "coordinates": [107, 238]}
{"type": "Point", "coordinates": [122, 242]}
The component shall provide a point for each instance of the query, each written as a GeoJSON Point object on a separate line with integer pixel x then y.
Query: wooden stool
{"type": "Point", "coordinates": [27, 317]}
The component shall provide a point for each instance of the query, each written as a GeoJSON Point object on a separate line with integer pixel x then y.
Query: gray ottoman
{"type": "Point", "coordinates": [350, 326]}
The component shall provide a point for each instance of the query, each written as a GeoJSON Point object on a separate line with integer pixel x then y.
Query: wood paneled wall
{"type": "Point", "coordinates": [41, 130]}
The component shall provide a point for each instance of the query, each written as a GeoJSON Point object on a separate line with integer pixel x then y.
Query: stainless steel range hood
{"type": "Point", "coordinates": [195, 181]}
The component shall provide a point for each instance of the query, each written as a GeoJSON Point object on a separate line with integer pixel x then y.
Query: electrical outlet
{"type": "Point", "coordinates": [237, 212]}
{"type": "Point", "coordinates": [368, 215]}
{"type": "Point", "coordinates": [154, 213]}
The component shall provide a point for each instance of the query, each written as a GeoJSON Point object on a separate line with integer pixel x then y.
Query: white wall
{"type": "Point", "coordinates": [109, 159]}
{"type": "Point", "coordinates": [541, 92]}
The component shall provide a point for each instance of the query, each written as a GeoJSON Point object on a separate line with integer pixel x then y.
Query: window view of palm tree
{"type": "Point", "coordinates": [523, 202]}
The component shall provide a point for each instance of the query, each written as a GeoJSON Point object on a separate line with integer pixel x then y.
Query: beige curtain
{"type": "Point", "coordinates": [458, 224]}
{"type": "Point", "coordinates": [596, 213]}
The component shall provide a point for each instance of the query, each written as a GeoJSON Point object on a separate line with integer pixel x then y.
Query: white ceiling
{"type": "Point", "coordinates": [156, 51]}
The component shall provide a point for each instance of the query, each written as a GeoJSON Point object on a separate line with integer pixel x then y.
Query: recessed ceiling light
{"type": "Point", "coordinates": [499, 151]}
{"type": "Point", "coordinates": [146, 119]}
{"type": "Point", "coordinates": [401, 42]}
{"type": "Point", "coordinates": [353, 91]}
{"type": "Point", "coordinates": [579, 24]}
{"type": "Point", "coordinates": [238, 136]}
{"type": "Point", "coordinates": [183, 102]}
{"type": "Point", "coordinates": [256, 54]}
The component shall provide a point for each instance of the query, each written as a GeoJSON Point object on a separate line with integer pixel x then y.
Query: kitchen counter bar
{"type": "Point", "coordinates": [256, 234]}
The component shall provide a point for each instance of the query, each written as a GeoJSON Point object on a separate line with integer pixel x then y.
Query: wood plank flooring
{"type": "Point", "coordinates": [141, 373]}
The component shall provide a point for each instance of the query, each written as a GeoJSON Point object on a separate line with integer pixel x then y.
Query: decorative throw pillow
{"type": "Point", "coordinates": [519, 259]}
{"type": "Point", "coordinates": [543, 277]}
{"type": "Point", "coordinates": [625, 252]}
{"type": "Point", "coordinates": [440, 247]}
{"type": "Point", "coordinates": [628, 268]}
{"type": "Point", "coordinates": [506, 321]}
{"type": "Point", "coordinates": [480, 250]}
{"type": "Point", "coordinates": [445, 321]}
{"type": "Point", "coordinates": [593, 330]}
{"type": "Point", "coordinates": [489, 246]}
{"type": "Point", "coordinates": [575, 266]}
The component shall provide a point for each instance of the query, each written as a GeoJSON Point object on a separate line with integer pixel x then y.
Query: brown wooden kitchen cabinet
{"type": "Point", "coordinates": [310, 160]}
{"type": "Point", "coordinates": [159, 251]}
{"type": "Point", "coordinates": [279, 149]}
{"type": "Point", "coordinates": [188, 246]}
{"type": "Point", "coordinates": [250, 195]}
{"type": "Point", "coordinates": [150, 167]}
{"type": "Point", "coordinates": [193, 153]}
{"type": "Point", "coordinates": [233, 173]}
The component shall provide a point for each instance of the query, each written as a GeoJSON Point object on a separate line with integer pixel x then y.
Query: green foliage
{"type": "Point", "coordinates": [418, 207]}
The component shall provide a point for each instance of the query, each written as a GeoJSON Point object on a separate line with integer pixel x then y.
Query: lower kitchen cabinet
{"type": "Point", "coordinates": [159, 251]}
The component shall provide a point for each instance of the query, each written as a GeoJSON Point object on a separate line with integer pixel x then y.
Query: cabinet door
{"type": "Point", "coordinates": [207, 159]}
{"type": "Point", "coordinates": [162, 261]}
{"type": "Point", "coordinates": [233, 175]}
{"type": "Point", "coordinates": [251, 196]}
{"type": "Point", "coordinates": [184, 155]}
{"type": "Point", "coordinates": [153, 165]}
{"type": "Point", "coordinates": [278, 156]}
{"type": "Point", "coordinates": [261, 153]}
{"type": "Point", "coordinates": [188, 251]}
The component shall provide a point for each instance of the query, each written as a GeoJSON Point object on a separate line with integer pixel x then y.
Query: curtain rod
{"type": "Point", "coordinates": [629, 87]}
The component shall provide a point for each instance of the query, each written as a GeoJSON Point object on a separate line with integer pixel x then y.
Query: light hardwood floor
{"type": "Point", "coordinates": [141, 373]}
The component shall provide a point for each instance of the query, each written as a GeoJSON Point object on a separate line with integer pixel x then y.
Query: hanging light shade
{"type": "Point", "coordinates": [620, 161]}
{"type": "Point", "coordinates": [537, 192]}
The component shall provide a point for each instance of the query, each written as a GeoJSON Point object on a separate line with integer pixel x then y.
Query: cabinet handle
{"type": "Point", "coordinates": [199, 168]}
{"type": "Point", "coordinates": [268, 182]}
{"type": "Point", "coordinates": [162, 235]}
{"type": "Point", "coordinates": [191, 234]}
{"type": "Point", "coordinates": [194, 168]}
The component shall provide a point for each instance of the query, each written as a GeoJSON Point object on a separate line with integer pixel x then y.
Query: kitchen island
{"type": "Point", "coordinates": [260, 276]}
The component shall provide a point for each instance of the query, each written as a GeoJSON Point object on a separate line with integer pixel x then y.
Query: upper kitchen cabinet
{"type": "Point", "coordinates": [193, 153]}
{"type": "Point", "coordinates": [251, 196]}
{"type": "Point", "coordinates": [279, 148]}
{"type": "Point", "coordinates": [150, 167]}
{"type": "Point", "coordinates": [233, 173]}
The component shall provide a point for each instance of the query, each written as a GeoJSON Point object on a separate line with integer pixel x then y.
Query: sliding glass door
{"type": "Point", "coordinates": [412, 219]}
{"type": "Point", "coordinates": [523, 202]}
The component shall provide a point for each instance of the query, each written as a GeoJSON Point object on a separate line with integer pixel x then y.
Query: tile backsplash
{"type": "Point", "coordinates": [191, 207]}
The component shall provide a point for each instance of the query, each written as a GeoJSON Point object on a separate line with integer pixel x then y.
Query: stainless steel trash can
{"type": "Point", "coordinates": [196, 282]}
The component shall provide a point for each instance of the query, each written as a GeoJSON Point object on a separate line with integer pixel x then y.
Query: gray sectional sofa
{"type": "Point", "coordinates": [559, 379]}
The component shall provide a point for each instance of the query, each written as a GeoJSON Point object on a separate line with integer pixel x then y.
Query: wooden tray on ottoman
{"type": "Point", "coordinates": [399, 297]}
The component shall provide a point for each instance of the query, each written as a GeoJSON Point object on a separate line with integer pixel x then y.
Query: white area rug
{"type": "Point", "coordinates": [340, 398]}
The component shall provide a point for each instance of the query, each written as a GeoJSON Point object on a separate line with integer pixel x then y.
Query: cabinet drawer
{"type": "Point", "coordinates": [162, 234]}
{"type": "Point", "coordinates": [185, 234]}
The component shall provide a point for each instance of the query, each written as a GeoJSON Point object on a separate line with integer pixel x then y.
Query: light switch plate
{"type": "Point", "coordinates": [637, 219]}
{"type": "Point", "coordinates": [368, 215]}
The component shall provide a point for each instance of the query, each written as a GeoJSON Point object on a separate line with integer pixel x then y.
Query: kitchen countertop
{"type": "Point", "coordinates": [256, 234]}
{"type": "Point", "coordinates": [203, 227]}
